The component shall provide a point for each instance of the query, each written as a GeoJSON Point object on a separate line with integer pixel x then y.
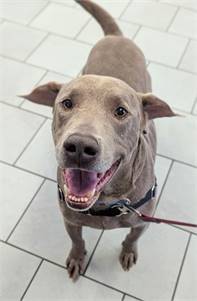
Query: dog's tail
{"type": "Point", "coordinates": [106, 21]}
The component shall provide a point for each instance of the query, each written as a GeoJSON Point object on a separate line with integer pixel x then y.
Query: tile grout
{"type": "Point", "coordinates": [164, 184]}
{"type": "Point", "coordinates": [25, 210]}
{"type": "Point", "coordinates": [28, 171]}
{"type": "Point", "coordinates": [181, 267]}
{"type": "Point", "coordinates": [172, 20]}
{"type": "Point", "coordinates": [183, 54]}
{"type": "Point", "coordinates": [193, 107]}
{"type": "Point", "coordinates": [177, 161]}
{"type": "Point", "coordinates": [92, 254]}
{"type": "Point", "coordinates": [30, 141]}
{"type": "Point", "coordinates": [36, 47]}
{"type": "Point", "coordinates": [37, 14]}
{"type": "Point", "coordinates": [25, 110]}
{"type": "Point", "coordinates": [32, 279]}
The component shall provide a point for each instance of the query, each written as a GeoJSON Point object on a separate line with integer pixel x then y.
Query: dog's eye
{"type": "Point", "coordinates": [67, 103]}
{"type": "Point", "coordinates": [121, 112]}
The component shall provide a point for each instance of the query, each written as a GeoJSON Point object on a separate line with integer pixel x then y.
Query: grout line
{"type": "Point", "coordinates": [184, 52]}
{"type": "Point", "coordinates": [44, 74]}
{"type": "Point", "coordinates": [123, 297]}
{"type": "Point", "coordinates": [36, 47]}
{"type": "Point", "coordinates": [25, 110]}
{"type": "Point", "coordinates": [39, 12]}
{"type": "Point", "coordinates": [177, 161]}
{"type": "Point", "coordinates": [27, 207]}
{"type": "Point", "coordinates": [109, 286]}
{"type": "Point", "coordinates": [35, 66]}
{"type": "Point", "coordinates": [181, 267]}
{"type": "Point", "coordinates": [171, 67]}
{"type": "Point", "coordinates": [134, 297]}
{"type": "Point", "coordinates": [82, 28]}
{"type": "Point", "coordinates": [134, 36]}
{"type": "Point", "coordinates": [193, 107]}
{"type": "Point", "coordinates": [164, 184]}
{"type": "Point", "coordinates": [172, 20]}
{"type": "Point", "coordinates": [34, 275]}
{"type": "Point", "coordinates": [183, 229]}
{"type": "Point", "coordinates": [91, 256]}
{"type": "Point", "coordinates": [182, 69]}
{"type": "Point", "coordinates": [29, 171]}
{"type": "Point", "coordinates": [33, 254]}
{"type": "Point", "coordinates": [176, 5]}
{"type": "Point", "coordinates": [30, 141]}
{"type": "Point", "coordinates": [124, 10]}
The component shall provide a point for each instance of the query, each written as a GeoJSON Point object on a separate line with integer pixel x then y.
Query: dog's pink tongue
{"type": "Point", "coordinates": [80, 182]}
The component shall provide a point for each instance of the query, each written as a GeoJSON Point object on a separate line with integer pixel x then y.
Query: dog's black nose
{"type": "Point", "coordinates": [81, 149]}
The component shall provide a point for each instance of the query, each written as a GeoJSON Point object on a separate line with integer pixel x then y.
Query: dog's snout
{"type": "Point", "coordinates": [80, 148]}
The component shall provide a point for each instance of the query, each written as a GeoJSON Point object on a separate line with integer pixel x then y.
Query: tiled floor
{"type": "Point", "coordinates": [49, 40]}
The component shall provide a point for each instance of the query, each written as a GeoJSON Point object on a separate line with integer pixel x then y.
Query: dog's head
{"type": "Point", "coordinates": [97, 125]}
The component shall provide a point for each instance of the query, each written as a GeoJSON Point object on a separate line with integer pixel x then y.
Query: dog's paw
{"type": "Point", "coordinates": [75, 264]}
{"type": "Point", "coordinates": [127, 260]}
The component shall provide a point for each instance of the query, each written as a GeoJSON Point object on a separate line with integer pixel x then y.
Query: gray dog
{"type": "Point", "coordinates": [105, 141]}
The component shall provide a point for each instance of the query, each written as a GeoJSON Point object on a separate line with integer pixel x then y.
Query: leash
{"type": "Point", "coordinates": [151, 219]}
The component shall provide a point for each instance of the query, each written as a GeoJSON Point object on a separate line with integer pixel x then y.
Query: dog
{"type": "Point", "coordinates": [105, 140]}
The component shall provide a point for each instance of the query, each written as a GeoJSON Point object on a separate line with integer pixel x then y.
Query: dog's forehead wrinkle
{"type": "Point", "coordinates": [96, 86]}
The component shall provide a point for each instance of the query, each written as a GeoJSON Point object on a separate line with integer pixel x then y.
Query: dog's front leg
{"type": "Point", "coordinates": [129, 253]}
{"type": "Point", "coordinates": [75, 259]}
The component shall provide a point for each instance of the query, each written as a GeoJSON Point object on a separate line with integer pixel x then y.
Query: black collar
{"type": "Point", "coordinates": [119, 207]}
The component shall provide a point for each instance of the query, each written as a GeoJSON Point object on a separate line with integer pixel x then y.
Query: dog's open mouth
{"type": "Point", "coordinates": [82, 187]}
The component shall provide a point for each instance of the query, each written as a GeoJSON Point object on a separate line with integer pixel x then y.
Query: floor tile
{"type": "Point", "coordinates": [17, 269]}
{"type": "Point", "coordinates": [161, 47]}
{"type": "Point", "coordinates": [18, 41]}
{"type": "Point", "coordinates": [17, 189]}
{"type": "Point", "coordinates": [162, 166]}
{"type": "Point", "coordinates": [21, 11]}
{"type": "Point", "coordinates": [61, 55]}
{"type": "Point", "coordinates": [189, 61]}
{"type": "Point", "coordinates": [183, 3]}
{"type": "Point", "coordinates": [65, 2]}
{"type": "Point", "coordinates": [52, 283]}
{"type": "Point", "coordinates": [144, 12]}
{"type": "Point", "coordinates": [67, 20]}
{"type": "Point", "coordinates": [177, 88]}
{"type": "Point", "coordinates": [92, 32]}
{"type": "Point", "coordinates": [185, 23]}
{"type": "Point", "coordinates": [32, 235]}
{"type": "Point", "coordinates": [114, 7]}
{"type": "Point", "coordinates": [176, 138]}
{"type": "Point", "coordinates": [105, 266]}
{"type": "Point", "coordinates": [40, 109]}
{"type": "Point", "coordinates": [44, 162]}
{"type": "Point", "coordinates": [195, 109]}
{"type": "Point", "coordinates": [174, 201]}
{"type": "Point", "coordinates": [16, 129]}
{"type": "Point", "coordinates": [187, 289]}
{"type": "Point", "coordinates": [16, 78]}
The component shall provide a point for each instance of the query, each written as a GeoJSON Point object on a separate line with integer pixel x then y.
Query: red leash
{"type": "Point", "coordinates": [157, 220]}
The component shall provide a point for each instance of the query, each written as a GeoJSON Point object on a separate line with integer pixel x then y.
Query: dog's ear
{"type": "Point", "coordinates": [45, 94]}
{"type": "Point", "coordinates": [155, 107]}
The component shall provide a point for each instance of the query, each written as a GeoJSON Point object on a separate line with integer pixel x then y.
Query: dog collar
{"type": "Point", "coordinates": [118, 207]}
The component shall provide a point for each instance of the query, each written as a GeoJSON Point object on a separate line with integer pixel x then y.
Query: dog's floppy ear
{"type": "Point", "coordinates": [155, 107]}
{"type": "Point", "coordinates": [45, 94]}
